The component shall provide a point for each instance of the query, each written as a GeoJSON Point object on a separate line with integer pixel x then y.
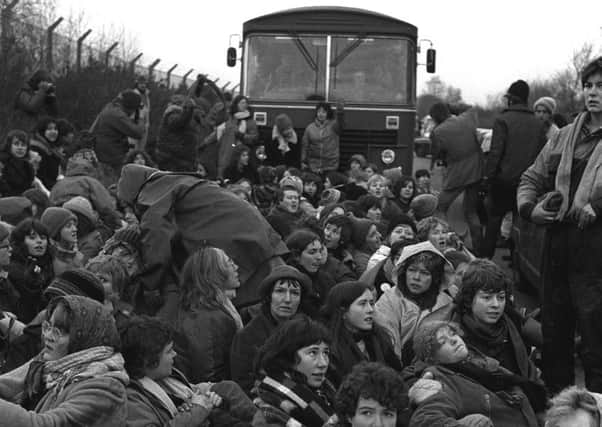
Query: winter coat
{"type": "Point", "coordinates": [517, 138]}
{"type": "Point", "coordinates": [338, 270]}
{"type": "Point", "coordinates": [202, 341]}
{"type": "Point", "coordinates": [9, 297]}
{"type": "Point", "coordinates": [320, 145]}
{"type": "Point", "coordinates": [283, 221]}
{"type": "Point", "coordinates": [188, 211]}
{"type": "Point", "coordinates": [49, 168]}
{"type": "Point", "coordinates": [94, 402]}
{"type": "Point", "coordinates": [455, 141]}
{"type": "Point", "coordinates": [231, 137]}
{"type": "Point", "coordinates": [321, 283]}
{"type": "Point", "coordinates": [30, 276]}
{"type": "Point", "coordinates": [112, 129]}
{"type": "Point", "coordinates": [17, 175]}
{"type": "Point", "coordinates": [65, 259]}
{"type": "Point", "coordinates": [179, 135]}
{"type": "Point", "coordinates": [245, 345]}
{"type": "Point", "coordinates": [80, 181]}
{"type": "Point", "coordinates": [90, 245]}
{"type": "Point", "coordinates": [30, 105]}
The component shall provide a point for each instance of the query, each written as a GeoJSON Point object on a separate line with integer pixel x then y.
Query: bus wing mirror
{"type": "Point", "coordinates": [430, 60]}
{"type": "Point", "coordinates": [231, 56]}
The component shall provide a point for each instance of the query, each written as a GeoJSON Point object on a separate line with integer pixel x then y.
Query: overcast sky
{"type": "Point", "coordinates": [482, 46]}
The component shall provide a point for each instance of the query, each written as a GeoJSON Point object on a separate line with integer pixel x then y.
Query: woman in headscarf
{"type": "Point", "coordinates": [78, 379]}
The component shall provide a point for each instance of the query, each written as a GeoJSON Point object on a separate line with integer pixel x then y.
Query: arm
{"type": "Point", "coordinates": [533, 182]}
{"type": "Point", "coordinates": [103, 203]}
{"type": "Point", "coordinates": [241, 361]}
{"type": "Point", "coordinates": [442, 409]}
{"type": "Point", "coordinates": [304, 145]}
{"type": "Point", "coordinates": [31, 103]}
{"type": "Point", "coordinates": [498, 146]}
{"type": "Point", "coordinates": [251, 135]}
{"type": "Point", "coordinates": [126, 126]}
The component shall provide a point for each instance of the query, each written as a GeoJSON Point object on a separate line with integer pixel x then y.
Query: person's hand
{"type": "Point", "coordinates": [424, 388]}
{"type": "Point", "coordinates": [202, 388]}
{"type": "Point", "coordinates": [185, 407]}
{"type": "Point", "coordinates": [207, 400]}
{"type": "Point", "coordinates": [44, 86]}
{"type": "Point", "coordinates": [586, 216]}
{"type": "Point", "coordinates": [541, 216]}
{"type": "Point", "coordinates": [476, 420]}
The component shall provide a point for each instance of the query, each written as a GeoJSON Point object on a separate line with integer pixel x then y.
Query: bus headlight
{"type": "Point", "coordinates": [387, 156]}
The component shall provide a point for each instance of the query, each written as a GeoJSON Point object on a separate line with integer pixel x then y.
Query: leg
{"type": "Point", "coordinates": [501, 200]}
{"type": "Point", "coordinates": [446, 198]}
{"type": "Point", "coordinates": [471, 199]}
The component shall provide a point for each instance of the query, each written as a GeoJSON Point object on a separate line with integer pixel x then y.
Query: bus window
{"type": "Point", "coordinates": [370, 70]}
{"type": "Point", "coordinates": [286, 68]}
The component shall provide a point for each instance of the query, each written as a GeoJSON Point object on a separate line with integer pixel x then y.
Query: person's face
{"type": "Point", "coordinates": [370, 413]}
{"type": "Point", "coordinates": [488, 307]}
{"type": "Point", "coordinates": [407, 191]}
{"type": "Point", "coordinates": [310, 188]}
{"type": "Point", "coordinates": [55, 335]}
{"type": "Point", "coordinates": [313, 363]}
{"type": "Point", "coordinates": [5, 253]}
{"type": "Point", "coordinates": [128, 258]}
{"type": "Point", "coordinates": [51, 133]}
{"type": "Point", "coordinates": [243, 105]}
{"type": "Point", "coordinates": [232, 272]}
{"type": "Point", "coordinates": [36, 244]}
{"type": "Point", "coordinates": [424, 181]}
{"type": "Point", "coordinates": [290, 201]}
{"type": "Point", "coordinates": [369, 171]}
{"type": "Point", "coordinates": [244, 158]}
{"type": "Point", "coordinates": [69, 232]}
{"type": "Point", "coordinates": [579, 418]}
{"type": "Point", "coordinates": [360, 314]}
{"type": "Point", "coordinates": [141, 86]}
{"type": "Point", "coordinates": [335, 212]}
{"type": "Point", "coordinates": [373, 239]}
{"type": "Point", "coordinates": [543, 114]}
{"type": "Point", "coordinates": [18, 148]}
{"type": "Point", "coordinates": [332, 236]}
{"type": "Point", "coordinates": [438, 237]}
{"type": "Point", "coordinates": [377, 188]}
{"type": "Point", "coordinates": [140, 160]}
{"type": "Point", "coordinates": [374, 214]}
{"type": "Point", "coordinates": [285, 299]}
{"type": "Point", "coordinates": [321, 115]}
{"type": "Point", "coordinates": [418, 278]}
{"type": "Point", "coordinates": [355, 165]}
{"type": "Point", "coordinates": [592, 93]}
{"type": "Point", "coordinates": [311, 257]}
{"type": "Point", "coordinates": [400, 232]}
{"type": "Point", "coordinates": [165, 365]}
{"type": "Point", "coordinates": [453, 349]}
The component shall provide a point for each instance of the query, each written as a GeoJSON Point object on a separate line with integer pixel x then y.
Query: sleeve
{"type": "Point", "coordinates": [87, 403]}
{"type": "Point", "coordinates": [436, 146]}
{"type": "Point", "coordinates": [241, 361]}
{"type": "Point", "coordinates": [339, 123]}
{"type": "Point", "coordinates": [533, 182]}
{"type": "Point", "coordinates": [387, 318]}
{"type": "Point", "coordinates": [123, 124]}
{"type": "Point", "coordinates": [29, 102]}
{"type": "Point", "coordinates": [442, 409]}
{"type": "Point", "coordinates": [498, 146]}
{"type": "Point", "coordinates": [102, 202]}
{"type": "Point", "coordinates": [179, 119]}
{"type": "Point", "coordinates": [251, 135]}
{"type": "Point", "coordinates": [304, 144]}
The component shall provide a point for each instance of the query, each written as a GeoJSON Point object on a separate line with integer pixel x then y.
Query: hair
{"type": "Point", "coordinates": [482, 275]}
{"type": "Point", "coordinates": [234, 104]}
{"type": "Point", "coordinates": [559, 120]}
{"type": "Point", "coordinates": [401, 219]}
{"type": "Point", "coordinates": [420, 173]}
{"type": "Point", "coordinates": [42, 125]}
{"type": "Point", "coordinates": [25, 228]}
{"type": "Point", "coordinates": [65, 127]}
{"type": "Point", "coordinates": [337, 179]}
{"type": "Point", "coordinates": [293, 171]}
{"type": "Point", "coordinates": [329, 208]}
{"type": "Point", "coordinates": [428, 224]}
{"type": "Point", "coordinates": [279, 353]}
{"type": "Point", "coordinates": [39, 198]}
{"type": "Point", "coordinates": [131, 156]}
{"type": "Point", "coordinates": [344, 222]}
{"type": "Point", "coordinates": [398, 246]}
{"type": "Point", "coordinates": [237, 153]}
{"type": "Point", "coordinates": [590, 69]}
{"type": "Point", "coordinates": [374, 167]}
{"type": "Point", "coordinates": [266, 175]}
{"type": "Point", "coordinates": [402, 182]}
{"type": "Point", "coordinates": [425, 343]}
{"type": "Point", "coordinates": [202, 278]}
{"type": "Point", "coordinates": [326, 107]}
{"type": "Point", "coordinates": [280, 192]}
{"type": "Point", "coordinates": [435, 265]}
{"type": "Point", "coordinates": [20, 135]}
{"type": "Point", "coordinates": [142, 341]}
{"type": "Point", "coordinates": [377, 177]}
{"type": "Point", "coordinates": [358, 175]}
{"type": "Point", "coordinates": [298, 240]}
{"type": "Point", "coordinates": [439, 112]}
{"type": "Point", "coordinates": [457, 257]}
{"type": "Point", "coordinates": [569, 401]}
{"type": "Point", "coordinates": [311, 177]}
{"type": "Point", "coordinates": [115, 268]}
{"type": "Point", "coordinates": [371, 380]}
{"type": "Point", "coordinates": [367, 202]}
{"type": "Point", "coordinates": [279, 172]}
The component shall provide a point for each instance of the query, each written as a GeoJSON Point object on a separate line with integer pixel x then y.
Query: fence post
{"type": "Point", "coordinates": [224, 87]}
{"type": "Point", "coordinates": [6, 14]}
{"type": "Point", "coordinates": [49, 43]}
{"type": "Point", "coordinates": [108, 53]}
{"type": "Point", "coordinates": [133, 63]}
{"type": "Point", "coordinates": [151, 69]}
{"type": "Point", "coordinates": [169, 75]}
{"type": "Point", "coordinates": [80, 41]}
{"type": "Point", "coordinates": [185, 76]}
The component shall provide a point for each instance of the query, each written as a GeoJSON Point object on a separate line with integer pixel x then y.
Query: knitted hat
{"type": "Point", "coordinates": [359, 231]}
{"type": "Point", "coordinates": [425, 339]}
{"type": "Point", "coordinates": [547, 102]}
{"type": "Point", "coordinates": [132, 179]}
{"type": "Point", "coordinates": [37, 197]}
{"type": "Point", "coordinates": [55, 219]}
{"type": "Point", "coordinates": [130, 99]}
{"type": "Point", "coordinates": [284, 272]}
{"type": "Point", "coordinates": [342, 295]}
{"type": "Point", "coordinates": [292, 181]}
{"type": "Point", "coordinates": [520, 90]}
{"type": "Point", "coordinates": [15, 209]}
{"type": "Point", "coordinates": [423, 206]}
{"type": "Point", "coordinates": [82, 206]}
{"type": "Point", "coordinates": [78, 281]}
{"type": "Point", "coordinates": [360, 158]}
{"type": "Point", "coordinates": [4, 232]}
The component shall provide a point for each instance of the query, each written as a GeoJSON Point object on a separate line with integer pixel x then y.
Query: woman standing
{"type": "Point", "coordinates": [205, 320]}
{"type": "Point", "coordinates": [45, 142]}
{"type": "Point", "coordinates": [320, 142]}
{"type": "Point", "coordinates": [17, 173]}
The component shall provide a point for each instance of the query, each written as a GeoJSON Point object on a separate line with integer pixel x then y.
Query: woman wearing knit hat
{"type": "Point", "coordinates": [418, 274]}
{"type": "Point", "coordinates": [349, 314]}
{"type": "Point", "coordinates": [544, 109]}
{"type": "Point", "coordinates": [476, 390]}
{"type": "Point", "coordinates": [283, 294]}
{"type": "Point", "coordinates": [366, 240]}
{"type": "Point", "coordinates": [89, 239]}
{"type": "Point", "coordinates": [62, 230]}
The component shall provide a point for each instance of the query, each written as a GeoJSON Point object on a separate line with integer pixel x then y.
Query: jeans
{"type": "Point", "coordinates": [471, 200]}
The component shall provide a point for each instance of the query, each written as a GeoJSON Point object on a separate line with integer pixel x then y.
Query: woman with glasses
{"type": "Point", "coordinates": [77, 379]}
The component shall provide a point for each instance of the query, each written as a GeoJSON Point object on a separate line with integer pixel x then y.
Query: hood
{"type": "Point", "coordinates": [80, 166]}
{"type": "Point", "coordinates": [131, 181]}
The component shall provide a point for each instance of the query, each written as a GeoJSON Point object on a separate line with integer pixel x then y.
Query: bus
{"type": "Point", "coordinates": [294, 58]}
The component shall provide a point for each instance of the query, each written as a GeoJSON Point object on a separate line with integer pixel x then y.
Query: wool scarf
{"type": "Point", "coordinates": [156, 390]}
{"type": "Point", "coordinates": [592, 175]}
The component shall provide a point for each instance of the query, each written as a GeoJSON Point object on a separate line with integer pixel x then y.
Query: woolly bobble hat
{"type": "Point", "coordinates": [425, 339]}
{"type": "Point", "coordinates": [359, 231]}
{"type": "Point", "coordinates": [424, 205]}
{"type": "Point", "coordinates": [546, 101]}
{"type": "Point", "coordinates": [78, 281]}
{"type": "Point", "coordinates": [281, 272]}
{"type": "Point", "coordinates": [292, 181]}
{"type": "Point", "coordinates": [55, 219]}
{"type": "Point", "coordinates": [519, 89]}
{"type": "Point", "coordinates": [82, 206]}
{"type": "Point", "coordinates": [4, 232]}
{"type": "Point", "coordinates": [130, 99]}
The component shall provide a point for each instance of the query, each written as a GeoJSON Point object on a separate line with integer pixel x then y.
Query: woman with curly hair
{"type": "Point", "coordinates": [404, 191]}
{"type": "Point", "coordinates": [292, 366]}
{"type": "Point", "coordinates": [16, 174]}
{"type": "Point", "coordinates": [239, 166]}
{"type": "Point", "coordinates": [205, 320]}
{"type": "Point", "coordinates": [372, 394]}
{"type": "Point", "coordinates": [46, 143]}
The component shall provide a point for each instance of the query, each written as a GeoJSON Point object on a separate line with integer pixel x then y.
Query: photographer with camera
{"type": "Point", "coordinates": [34, 100]}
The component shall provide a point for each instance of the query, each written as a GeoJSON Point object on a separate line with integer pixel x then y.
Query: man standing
{"type": "Point", "coordinates": [454, 140]}
{"type": "Point", "coordinates": [142, 90]}
{"type": "Point", "coordinates": [544, 108]}
{"type": "Point", "coordinates": [563, 189]}
{"type": "Point", "coordinates": [517, 138]}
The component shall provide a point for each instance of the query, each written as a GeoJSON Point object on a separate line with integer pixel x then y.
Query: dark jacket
{"type": "Point", "coordinates": [338, 270]}
{"type": "Point", "coordinates": [50, 165]}
{"type": "Point", "coordinates": [30, 105]}
{"type": "Point", "coordinates": [283, 221]}
{"type": "Point", "coordinates": [17, 175]}
{"type": "Point", "coordinates": [321, 283]}
{"type": "Point", "coordinates": [231, 137]}
{"type": "Point", "coordinates": [9, 297]}
{"type": "Point", "coordinates": [517, 138]}
{"type": "Point", "coordinates": [320, 144]}
{"type": "Point", "coordinates": [455, 141]}
{"type": "Point", "coordinates": [112, 129]}
{"type": "Point", "coordinates": [30, 276]}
